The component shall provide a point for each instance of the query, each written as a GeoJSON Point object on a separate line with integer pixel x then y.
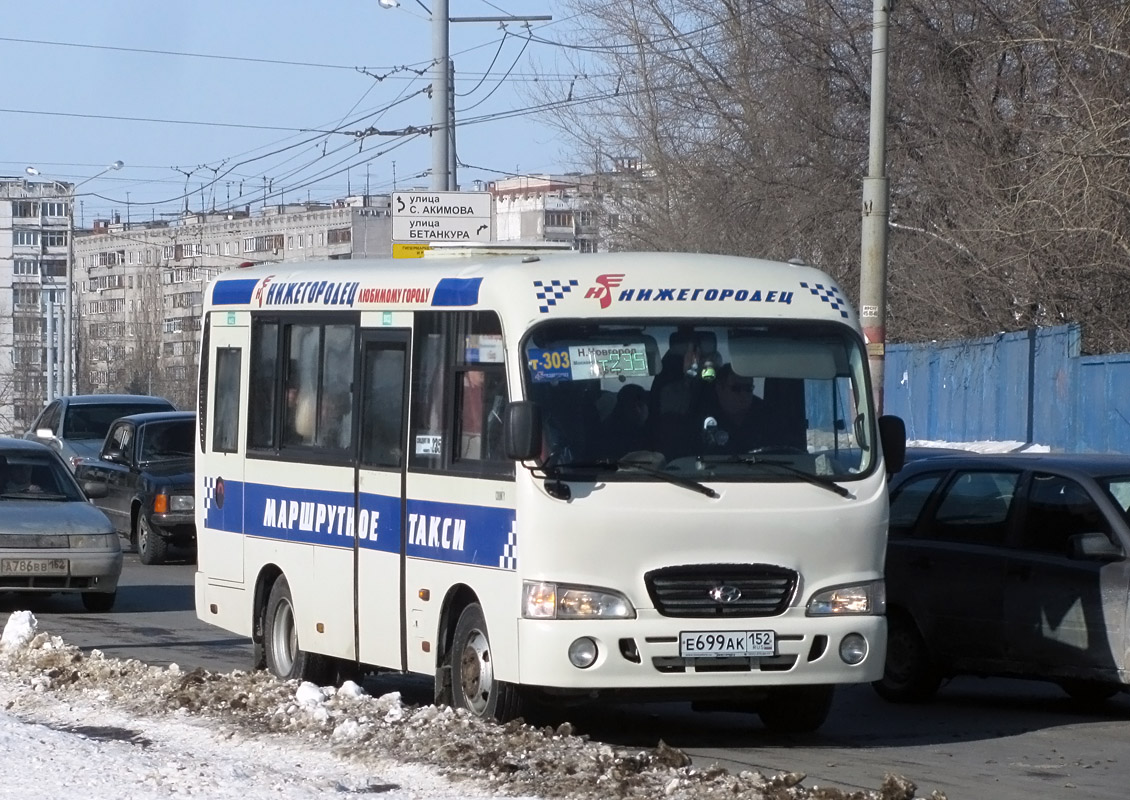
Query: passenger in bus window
{"type": "Point", "coordinates": [336, 421]}
{"type": "Point", "coordinates": [626, 428]}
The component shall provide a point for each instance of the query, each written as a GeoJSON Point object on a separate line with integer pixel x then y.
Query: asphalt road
{"type": "Point", "coordinates": [988, 739]}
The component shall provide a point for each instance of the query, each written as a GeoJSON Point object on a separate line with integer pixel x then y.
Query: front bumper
{"type": "Point", "coordinates": [643, 654]}
{"type": "Point", "coordinates": [176, 526]}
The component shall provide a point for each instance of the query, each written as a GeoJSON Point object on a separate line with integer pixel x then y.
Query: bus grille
{"type": "Point", "coordinates": [721, 590]}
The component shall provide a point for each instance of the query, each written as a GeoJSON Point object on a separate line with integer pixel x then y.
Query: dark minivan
{"type": "Point", "coordinates": [1009, 565]}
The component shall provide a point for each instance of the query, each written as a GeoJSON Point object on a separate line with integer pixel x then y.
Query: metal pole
{"type": "Point", "coordinates": [68, 307]}
{"type": "Point", "coordinates": [441, 58]}
{"type": "Point", "coordinates": [50, 313]}
{"type": "Point", "coordinates": [873, 255]}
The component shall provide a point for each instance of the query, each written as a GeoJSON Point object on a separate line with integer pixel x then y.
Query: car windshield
{"type": "Point", "coordinates": [167, 440]}
{"type": "Point", "coordinates": [92, 421]}
{"type": "Point", "coordinates": [35, 476]}
{"type": "Point", "coordinates": [752, 401]}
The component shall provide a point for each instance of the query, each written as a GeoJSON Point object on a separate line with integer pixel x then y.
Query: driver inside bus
{"type": "Point", "coordinates": [732, 421]}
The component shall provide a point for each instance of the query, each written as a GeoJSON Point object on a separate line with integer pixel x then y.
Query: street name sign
{"type": "Point", "coordinates": [419, 217]}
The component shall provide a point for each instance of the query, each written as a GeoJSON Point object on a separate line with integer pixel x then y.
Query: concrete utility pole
{"type": "Point", "coordinates": [876, 194]}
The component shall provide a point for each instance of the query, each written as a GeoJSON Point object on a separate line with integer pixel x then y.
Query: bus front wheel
{"type": "Point", "coordinates": [280, 641]}
{"type": "Point", "coordinates": [474, 686]}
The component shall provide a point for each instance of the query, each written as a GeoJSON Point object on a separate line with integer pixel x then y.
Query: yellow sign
{"type": "Point", "coordinates": [413, 250]}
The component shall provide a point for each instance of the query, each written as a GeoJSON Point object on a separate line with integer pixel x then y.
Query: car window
{"type": "Point", "coordinates": [1059, 508]}
{"type": "Point", "coordinates": [1118, 490]}
{"type": "Point", "coordinates": [35, 476]}
{"type": "Point", "coordinates": [975, 507]}
{"type": "Point", "coordinates": [93, 421]}
{"type": "Point", "coordinates": [121, 438]}
{"type": "Point", "coordinates": [166, 440]}
{"type": "Point", "coordinates": [49, 418]}
{"type": "Point", "coordinates": [908, 499]}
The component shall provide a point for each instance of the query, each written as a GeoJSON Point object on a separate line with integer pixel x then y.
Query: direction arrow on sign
{"type": "Point", "coordinates": [441, 217]}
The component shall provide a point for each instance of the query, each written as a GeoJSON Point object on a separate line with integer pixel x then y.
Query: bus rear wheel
{"type": "Point", "coordinates": [280, 641]}
{"type": "Point", "coordinates": [474, 686]}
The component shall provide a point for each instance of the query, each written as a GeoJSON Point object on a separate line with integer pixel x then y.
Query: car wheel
{"type": "Point", "coordinates": [280, 641]}
{"type": "Point", "coordinates": [474, 686]}
{"type": "Point", "coordinates": [99, 601]}
{"type": "Point", "coordinates": [151, 548]}
{"type": "Point", "coordinates": [796, 709]}
{"type": "Point", "coordinates": [909, 675]}
{"type": "Point", "coordinates": [1089, 691]}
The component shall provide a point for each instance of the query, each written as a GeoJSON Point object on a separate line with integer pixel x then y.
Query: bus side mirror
{"type": "Point", "coordinates": [521, 430]}
{"type": "Point", "coordinates": [892, 434]}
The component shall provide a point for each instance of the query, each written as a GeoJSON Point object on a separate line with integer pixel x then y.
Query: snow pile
{"type": "Point", "coordinates": [42, 676]}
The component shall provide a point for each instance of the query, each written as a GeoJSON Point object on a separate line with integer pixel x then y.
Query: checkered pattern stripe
{"type": "Point", "coordinates": [509, 557]}
{"type": "Point", "coordinates": [549, 292]}
{"type": "Point", "coordinates": [209, 492]}
{"type": "Point", "coordinates": [828, 294]}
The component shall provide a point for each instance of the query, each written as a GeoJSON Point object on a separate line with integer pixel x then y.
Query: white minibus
{"type": "Point", "coordinates": [542, 476]}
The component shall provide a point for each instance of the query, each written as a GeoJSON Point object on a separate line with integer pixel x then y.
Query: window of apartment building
{"type": "Point", "coordinates": [585, 218]}
{"type": "Point", "coordinates": [54, 238]}
{"type": "Point", "coordinates": [301, 239]}
{"type": "Point", "coordinates": [25, 297]}
{"type": "Point", "coordinates": [321, 238]}
{"type": "Point", "coordinates": [614, 221]}
{"type": "Point", "coordinates": [559, 219]}
{"type": "Point", "coordinates": [169, 252]}
{"type": "Point", "coordinates": [290, 242]}
{"type": "Point", "coordinates": [310, 240]}
{"type": "Point", "coordinates": [55, 269]}
{"type": "Point", "coordinates": [25, 209]}
{"type": "Point", "coordinates": [54, 209]}
{"type": "Point", "coordinates": [340, 235]}
{"type": "Point", "coordinates": [191, 250]}
{"type": "Point", "coordinates": [586, 245]}
{"type": "Point", "coordinates": [29, 325]}
{"type": "Point", "coordinates": [25, 266]}
{"type": "Point", "coordinates": [25, 238]}
{"type": "Point", "coordinates": [149, 255]}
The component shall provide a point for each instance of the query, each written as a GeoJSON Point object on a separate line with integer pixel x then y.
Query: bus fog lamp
{"type": "Point", "coordinates": [582, 653]}
{"type": "Point", "coordinates": [853, 649]}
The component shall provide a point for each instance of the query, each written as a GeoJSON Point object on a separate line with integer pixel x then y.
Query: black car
{"type": "Point", "coordinates": [75, 425]}
{"type": "Point", "coordinates": [1009, 565]}
{"type": "Point", "coordinates": [143, 479]}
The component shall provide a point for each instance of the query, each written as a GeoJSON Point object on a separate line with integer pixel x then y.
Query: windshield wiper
{"type": "Point", "coordinates": [556, 471]}
{"type": "Point", "coordinates": [815, 480]}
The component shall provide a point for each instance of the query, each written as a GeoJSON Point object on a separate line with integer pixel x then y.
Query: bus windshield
{"type": "Point", "coordinates": [734, 400]}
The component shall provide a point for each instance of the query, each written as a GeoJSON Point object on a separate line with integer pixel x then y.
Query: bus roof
{"type": "Point", "coordinates": [529, 286]}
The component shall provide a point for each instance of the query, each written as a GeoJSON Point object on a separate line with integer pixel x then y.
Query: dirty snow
{"type": "Point", "coordinates": [80, 724]}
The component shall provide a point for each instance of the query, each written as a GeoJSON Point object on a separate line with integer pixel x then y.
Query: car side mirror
{"type": "Point", "coordinates": [45, 433]}
{"type": "Point", "coordinates": [115, 457]}
{"type": "Point", "coordinates": [1094, 546]}
{"type": "Point", "coordinates": [521, 430]}
{"type": "Point", "coordinates": [94, 489]}
{"type": "Point", "coordinates": [892, 435]}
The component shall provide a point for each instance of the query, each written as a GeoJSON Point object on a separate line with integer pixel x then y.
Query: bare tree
{"type": "Point", "coordinates": [1008, 146]}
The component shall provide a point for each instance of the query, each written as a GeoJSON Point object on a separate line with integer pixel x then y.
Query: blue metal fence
{"type": "Point", "coordinates": [1028, 386]}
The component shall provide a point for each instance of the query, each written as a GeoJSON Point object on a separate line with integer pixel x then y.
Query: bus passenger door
{"type": "Point", "coordinates": [219, 472]}
{"type": "Point", "coordinates": [380, 518]}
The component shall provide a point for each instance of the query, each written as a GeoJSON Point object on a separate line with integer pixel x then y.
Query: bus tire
{"type": "Point", "coordinates": [280, 641]}
{"type": "Point", "coordinates": [796, 709]}
{"type": "Point", "coordinates": [151, 548]}
{"type": "Point", "coordinates": [474, 686]}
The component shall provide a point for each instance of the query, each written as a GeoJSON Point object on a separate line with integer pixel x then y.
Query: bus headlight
{"type": "Point", "coordinates": [860, 598]}
{"type": "Point", "coordinates": [542, 600]}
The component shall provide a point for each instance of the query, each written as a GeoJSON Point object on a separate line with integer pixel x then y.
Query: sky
{"type": "Point", "coordinates": [208, 99]}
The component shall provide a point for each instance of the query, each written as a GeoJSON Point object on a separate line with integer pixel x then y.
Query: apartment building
{"type": "Point", "coordinates": [35, 229]}
{"type": "Point", "coordinates": [139, 285]}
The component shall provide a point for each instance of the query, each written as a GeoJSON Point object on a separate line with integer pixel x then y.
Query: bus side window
{"type": "Point", "coordinates": [382, 419]}
{"type": "Point", "coordinates": [225, 415]}
{"type": "Point", "coordinates": [482, 397]}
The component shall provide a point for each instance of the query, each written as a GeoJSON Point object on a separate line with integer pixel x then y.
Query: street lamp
{"type": "Point", "coordinates": [69, 307]}
{"type": "Point", "coordinates": [443, 104]}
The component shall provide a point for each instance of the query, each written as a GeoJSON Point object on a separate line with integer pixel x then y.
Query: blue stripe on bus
{"type": "Point", "coordinates": [451, 532]}
{"type": "Point", "coordinates": [233, 292]}
{"type": "Point", "coordinates": [457, 292]}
